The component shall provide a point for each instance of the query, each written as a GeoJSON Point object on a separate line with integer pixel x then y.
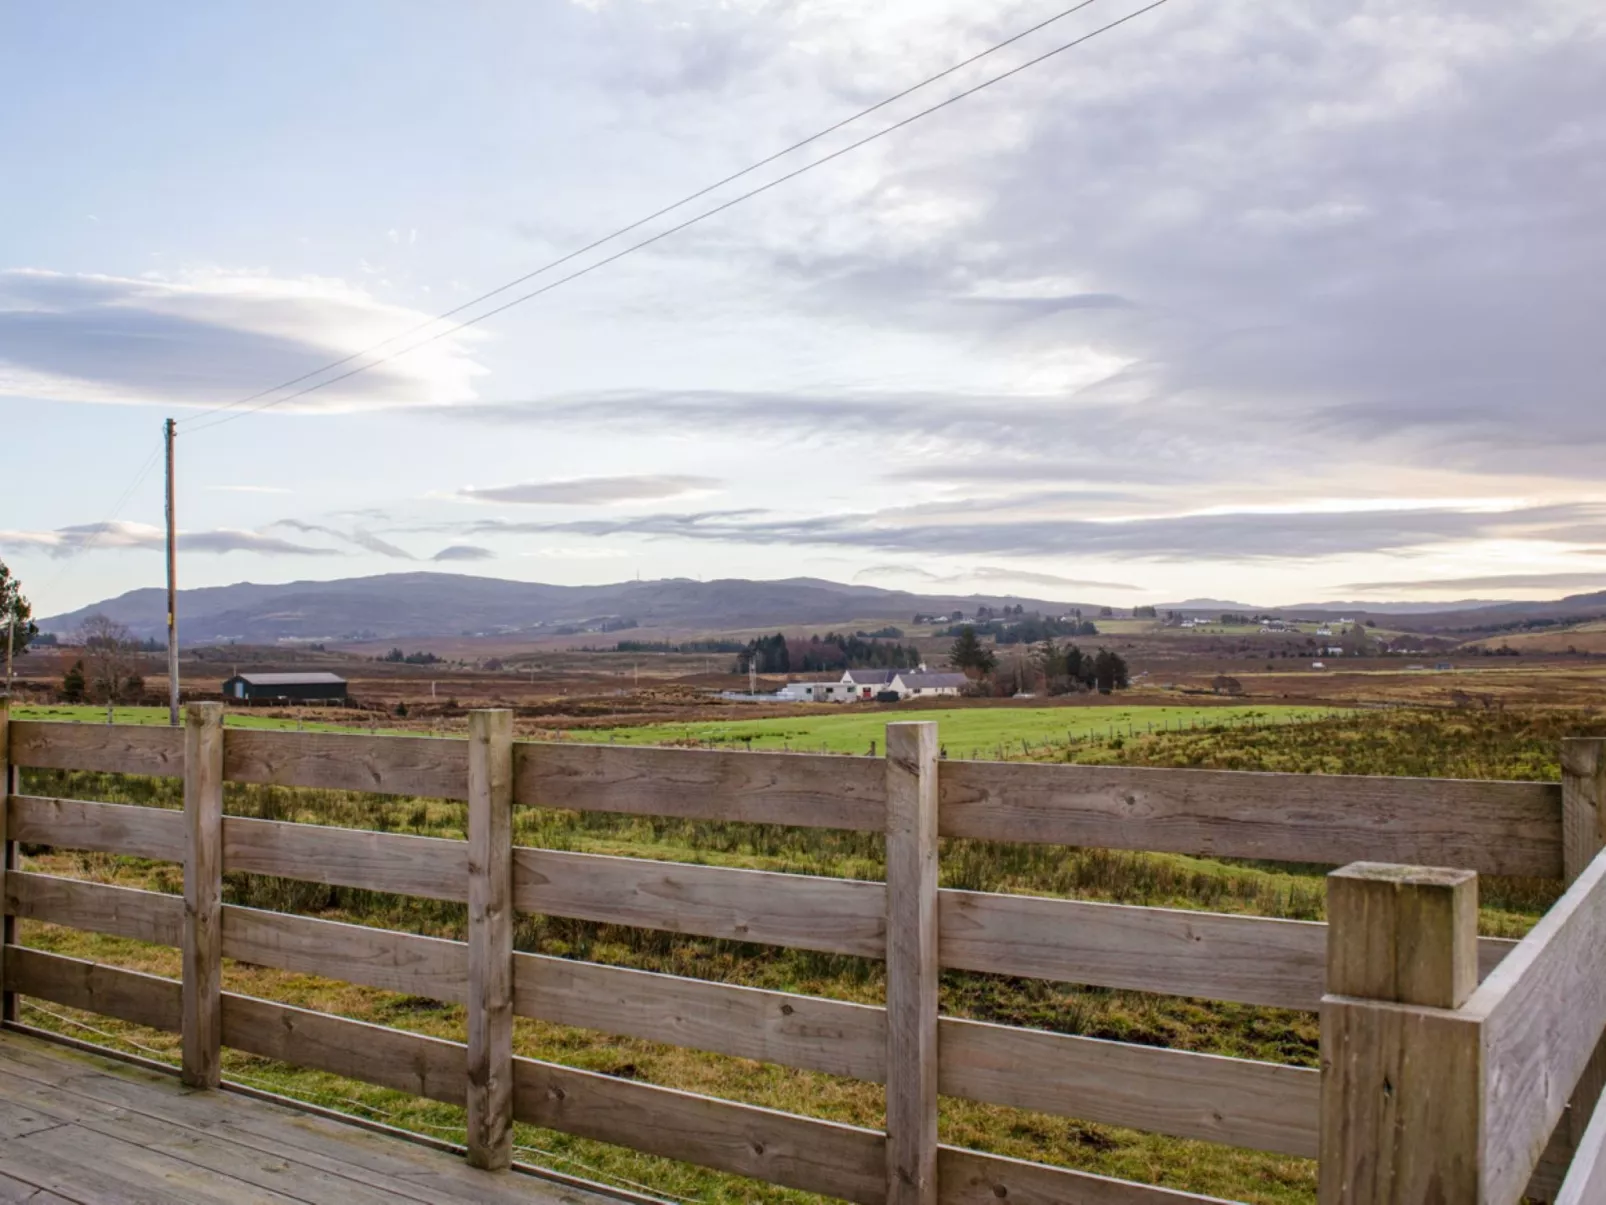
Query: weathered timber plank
{"type": "Point", "coordinates": [405, 1171]}
{"type": "Point", "coordinates": [1262, 1106]}
{"type": "Point", "coordinates": [111, 748]}
{"type": "Point", "coordinates": [1546, 1009]}
{"type": "Point", "coordinates": [969, 1177]}
{"type": "Point", "coordinates": [1508, 828]}
{"type": "Point", "coordinates": [1252, 960]}
{"type": "Point", "coordinates": [113, 828]}
{"type": "Point", "coordinates": [913, 970]}
{"type": "Point", "coordinates": [1408, 934]}
{"type": "Point", "coordinates": [1402, 1074]}
{"type": "Point", "coordinates": [1245, 959]}
{"type": "Point", "coordinates": [426, 866]}
{"type": "Point", "coordinates": [96, 907]}
{"type": "Point", "coordinates": [14, 1192]}
{"type": "Point", "coordinates": [387, 765]}
{"type": "Point", "coordinates": [839, 916]}
{"type": "Point", "coordinates": [380, 958]}
{"type": "Point", "coordinates": [780, 1148]}
{"type": "Point", "coordinates": [806, 790]}
{"type": "Point", "coordinates": [54, 1158]}
{"type": "Point", "coordinates": [203, 893]}
{"type": "Point", "coordinates": [110, 991]}
{"type": "Point", "coordinates": [284, 1171]}
{"type": "Point", "coordinates": [8, 855]}
{"type": "Point", "coordinates": [1399, 1100]}
{"type": "Point", "coordinates": [408, 1062]}
{"type": "Point", "coordinates": [140, 1172]}
{"type": "Point", "coordinates": [832, 1036]}
{"type": "Point", "coordinates": [1583, 801]}
{"type": "Point", "coordinates": [1586, 1179]}
{"type": "Point", "coordinates": [490, 940]}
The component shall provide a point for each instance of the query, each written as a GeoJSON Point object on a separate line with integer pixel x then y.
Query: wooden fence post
{"type": "Point", "coordinates": [490, 939]}
{"type": "Point", "coordinates": [912, 967]}
{"type": "Point", "coordinates": [1402, 1096]}
{"type": "Point", "coordinates": [1583, 834]}
{"type": "Point", "coordinates": [8, 858]}
{"type": "Point", "coordinates": [203, 895]}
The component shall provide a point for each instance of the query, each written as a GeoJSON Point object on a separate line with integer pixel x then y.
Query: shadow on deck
{"type": "Point", "coordinates": [84, 1128]}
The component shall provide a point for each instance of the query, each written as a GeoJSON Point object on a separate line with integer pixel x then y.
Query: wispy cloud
{"type": "Point", "coordinates": [366, 540]}
{"type": "Point", "coordinates": [1247, 536]}
{"type": "Point", "coordinates": [1000, 574]}
{"type": "Point", "coordinates": [464, 552]}
{"type": "Point", "coordinates": [86, 537]}
{"type": "Point", "coordinates": [1495, 581]}
{"type": "Point", "coordinates": [592, 490]}
{"type": "Point", "coordinates": [203, 337]}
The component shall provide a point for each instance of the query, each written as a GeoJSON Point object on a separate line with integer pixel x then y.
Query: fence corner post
{"type": "Point", "coordinates": [8, 856]}
{"type": "Point", "coordinates": [1402, 1072]}
{"type": "Point", "coordinates": [490, 939]}
{"type": "Point", "coordinates": [1583, 835]}
{"type": "Point", "coordinates": [912, 964]}
{"type": "Point", "coordinates": [202, 1011]}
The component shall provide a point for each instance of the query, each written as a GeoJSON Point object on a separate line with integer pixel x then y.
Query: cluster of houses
{"type": "Point", "coordinates": [876, 685]}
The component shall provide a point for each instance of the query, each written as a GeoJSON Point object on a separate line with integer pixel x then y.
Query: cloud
{"type": "Point", "coordinates": [359, 538]}
{"type": "Point", "coordinates": [875, 573]}
{"type": "Point", "coordinates": [998, 573]}
{"type": "Point", "coordinates": [86, 537]}
{"type": "Point", "coordinates": [247, 489]}
{"type": "Point", "coordinates": [1247, 536]}
{"type": "Point", "coordinates": [985, 573]}
{"type": "Point", "coordinates": [591, 490]}
{"type": "Point", "coordinates": [464, 552]}
{"type": "Point", "coordinates": [1497, 581]}
{"type": "Point", "coordinates": [208, 337]}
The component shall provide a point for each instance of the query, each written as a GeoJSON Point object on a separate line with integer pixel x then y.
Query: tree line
{"type": "Point", "coordinates": [1027, 629]}
{"type": "Point", "coordinates": [1062, 668]}
{"type": "Point", "coordinates": [835, 650]}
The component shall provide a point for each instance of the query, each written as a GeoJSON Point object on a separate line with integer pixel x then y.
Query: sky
{"type": "Point", "coordinates": [1276, 303]}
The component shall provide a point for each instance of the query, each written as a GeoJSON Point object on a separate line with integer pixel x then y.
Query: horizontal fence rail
{"type": "Point", "coordinates": [1504, 828]}
{"type": "Point", "coordinates": [1499, 828]}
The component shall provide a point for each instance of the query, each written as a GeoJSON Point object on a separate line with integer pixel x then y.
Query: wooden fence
{"type": "Point", "coordinates": [1434, 1086]}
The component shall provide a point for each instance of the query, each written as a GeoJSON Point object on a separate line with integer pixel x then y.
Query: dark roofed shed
{"type": "Point", "coordinates": [291, 688]}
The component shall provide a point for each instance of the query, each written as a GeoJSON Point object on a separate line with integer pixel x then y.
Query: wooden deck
{"type": "Point", "coordinates": [78, 1127]}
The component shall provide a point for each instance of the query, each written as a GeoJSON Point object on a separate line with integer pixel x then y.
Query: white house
{"type": "Point", "coordinates": [917, 684]}
{"type": "Point", "coordinates": [862, 684]}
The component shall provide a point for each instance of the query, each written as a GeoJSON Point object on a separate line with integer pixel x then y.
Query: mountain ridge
{"type": "Point", "coordinates": [421, 604]}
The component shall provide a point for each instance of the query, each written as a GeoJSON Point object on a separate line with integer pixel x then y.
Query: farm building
{"type": "Point", "coordinates": [910, 684]}
{"type": "Point", "coordinates": [866, 683]}
{"type": "Point", "coordinates": [287, 688]}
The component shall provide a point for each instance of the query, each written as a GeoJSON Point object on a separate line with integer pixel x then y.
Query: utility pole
{"type": "Point", "coordinates": [172, 587]}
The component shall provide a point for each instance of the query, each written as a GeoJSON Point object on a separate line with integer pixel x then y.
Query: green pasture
{"type": "Point", "coordinates": [157, 716]}
{"type": "Point", "coordinates": [965, 732]}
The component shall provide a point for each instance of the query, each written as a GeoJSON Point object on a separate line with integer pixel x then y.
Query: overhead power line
{"type": "Point", "coordinates": [672, 230]}
{"type": "Point", "coordinates": [639, 222]}
{"type": "Point", "coordinates": [108, 523]}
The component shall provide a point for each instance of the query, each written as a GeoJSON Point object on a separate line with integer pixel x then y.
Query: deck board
{"type": "Point", "coordinates": [81, 1128]}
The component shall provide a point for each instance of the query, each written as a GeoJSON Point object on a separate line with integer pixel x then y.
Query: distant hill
{"type": "Point", "coordinates": [395, 605]}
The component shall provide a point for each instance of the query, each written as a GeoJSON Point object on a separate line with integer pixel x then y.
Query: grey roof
{"type": "Point", "coordinates": [930, 681]}
{"type": "Point", "coordinates": [319, 679]}
{"type": "Point", "coordinates": [871, 677]}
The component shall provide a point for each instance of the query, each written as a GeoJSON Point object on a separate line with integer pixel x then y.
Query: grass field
{"type": "Point", "coordinates": [1512, 744]}
{"type": "Point", "coordinates": [982, 732]}
{"type": "Point", "coordinates": [89, 714]}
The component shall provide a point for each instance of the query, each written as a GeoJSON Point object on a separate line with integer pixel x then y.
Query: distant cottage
{"type": "Point", "coordinates": [286, 688]}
